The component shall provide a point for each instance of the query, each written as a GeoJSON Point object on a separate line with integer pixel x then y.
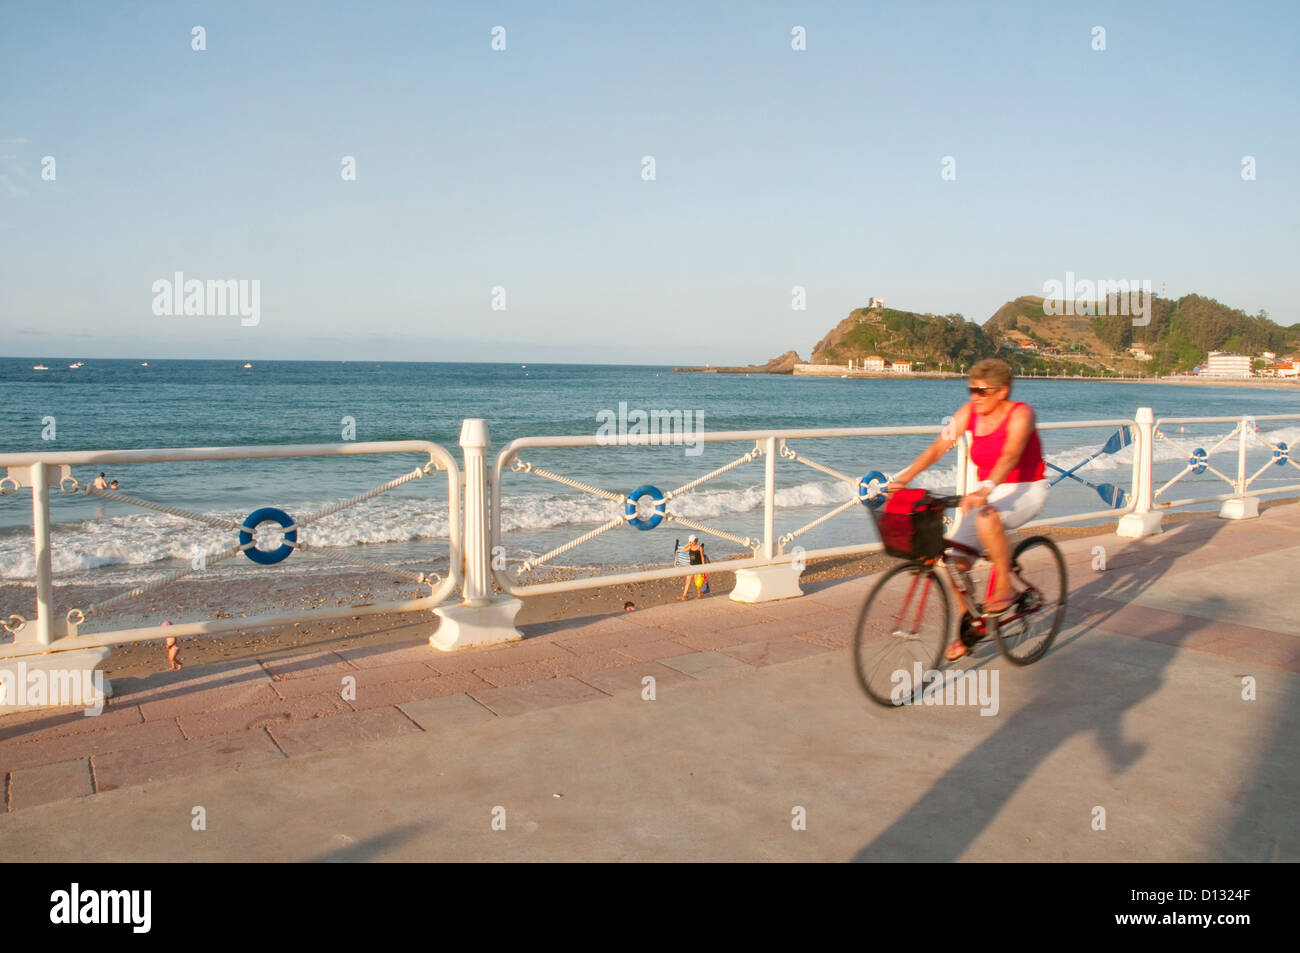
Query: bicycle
{"type": "Point", "coordinates": [894, 629]}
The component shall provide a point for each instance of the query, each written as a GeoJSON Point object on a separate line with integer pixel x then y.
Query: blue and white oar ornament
{"type": "Point", "coordinates": [1112, 495]}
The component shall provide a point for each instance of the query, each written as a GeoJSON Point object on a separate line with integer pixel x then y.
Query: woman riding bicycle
{"type": "Point", "coordinates": [1009, 462]}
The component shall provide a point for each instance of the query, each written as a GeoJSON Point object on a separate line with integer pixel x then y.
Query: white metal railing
{"type": "Point", "coordinates": [1197, 458]}
{"type": "Point", "coordinates": [48, 632]}
{"type": "Point", "coordinates": [475, 539]}
{"type": "Point", "coordinates": [767, 445]}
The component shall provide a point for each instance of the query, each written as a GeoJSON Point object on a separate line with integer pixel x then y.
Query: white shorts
{"type": "Point", "coordinates": [1016, 503]}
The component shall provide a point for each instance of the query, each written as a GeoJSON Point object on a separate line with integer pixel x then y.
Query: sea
{"type": "Point", "coordinates": [121, 404]}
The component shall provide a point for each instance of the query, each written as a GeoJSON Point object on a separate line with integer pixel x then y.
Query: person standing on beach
{"type": "Point", "coordinates": [1008, 458]}
{"type": "Point", "coordinates": [698, 558]}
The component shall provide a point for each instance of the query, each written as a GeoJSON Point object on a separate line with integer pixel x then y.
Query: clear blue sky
{"type": "Point", "coordinates": [522, 168]}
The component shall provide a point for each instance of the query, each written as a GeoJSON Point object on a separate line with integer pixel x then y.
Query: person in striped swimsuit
{"type": "Point", "coordinates": [1008, 458]}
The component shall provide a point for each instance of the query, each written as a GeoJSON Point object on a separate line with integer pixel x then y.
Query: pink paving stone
{"type": "Point", "coordinates": [333, 684]}
{"type": "Point", "coordinates": [777, 650]}
{"type": "Point", "coordinates": [704, 612]}
{"type": "Point", "coordinates": [705, 640]}
{"type": "Point", "coordinates": [399, 693]}
{"type": "Point", "coordinates": [341, 731]}
{"type": "Point", "coordinates": [50, 782]}
{"type": "Point", "coordinates": [132, 691]}
{"type": "Point", "coordinates": [596, 625]}
{"type": "Point", "coordinates": [593, 661]}
{"type": "Point", "coordinates": [468, 660]}
{"type": "Point", "coordinates": [259, 716]}
{"type": "Point", "coordinates": [792, 608]}
{"type": "Point", "coordinates": [649, 651]}
{"type": "Point", "coordinates": [839, 599]}
{"type": "Point", "coordinates": [70, 747]}
{"type": "Point", "coordinates": [523, 673]}
{"type": "Point", "coordinates": [1273, 655]}
{"type": "Point", "coordinates": [139, 765]}
{"type": "Point", "coordinates": [628, 678]}
{"type": "Point", "coordinates": [299, 666]}
{"type": "Point", "coordinates": [51, 724]}
{"type": "Point", "coordinates": [767, 631]}
{"type": "Point", "coordinates": [614, 639]}
{"type": "Point", "coordinates": [377, 656]}
{"type": "Point", "coordinates": [517, 699]}
{"type": "Point", "coordinates": [837, 637]}
{"type": "Point", "coordinates": [189, 702]}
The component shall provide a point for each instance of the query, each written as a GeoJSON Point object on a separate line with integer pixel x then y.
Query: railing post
{"type": "Point", "coordinates": [967, 476]}
{"type": "Point", "coordinates": [1142, 521]}
{"type": "Point", "coordinates": [70, 675]}
{"type": "Point", "coordinates": [481, 617]}
{"type": "Point", "coordinates": [769, 498]}
{"type": "Point", "coordinates": [41, 554]}
{"type": "Point", "coordinates": [779, 580]}
{"type": "Point", "coordinates": [1241, 507]}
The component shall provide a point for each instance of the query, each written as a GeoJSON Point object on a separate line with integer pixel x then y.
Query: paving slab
{"type": "Point", "coordinates": [705, 664]}
{"type": "Point", "coordinates": [447, 712]}
{"type": "Point", "coordinates": [50, 782]}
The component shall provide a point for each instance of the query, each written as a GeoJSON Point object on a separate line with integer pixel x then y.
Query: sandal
{"type": "Point", "coordinates": [956, 651]}
{"type": "Point", "coordinates": [1009, 604]}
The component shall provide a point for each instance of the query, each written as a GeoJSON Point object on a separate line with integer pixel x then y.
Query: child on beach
{"type": "Point", "coordinates": [697, 558]}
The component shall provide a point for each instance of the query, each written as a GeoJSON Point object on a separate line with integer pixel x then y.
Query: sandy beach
{"type": "Point", "coordinates": [191, 600]}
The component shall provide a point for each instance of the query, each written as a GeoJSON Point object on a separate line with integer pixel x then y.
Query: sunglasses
{"type": "Point", "coordinates": [981, 391]}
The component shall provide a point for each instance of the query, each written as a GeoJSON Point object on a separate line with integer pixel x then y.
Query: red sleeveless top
{"type": "Point", "coordinates": [986, 450]}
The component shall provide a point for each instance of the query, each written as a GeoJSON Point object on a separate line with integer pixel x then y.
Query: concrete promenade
{"type": "Point", "coordinates": [1138, 710]}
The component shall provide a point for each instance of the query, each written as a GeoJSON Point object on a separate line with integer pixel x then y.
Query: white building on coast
{"type": "Point", "coordinates": [1224, 364]}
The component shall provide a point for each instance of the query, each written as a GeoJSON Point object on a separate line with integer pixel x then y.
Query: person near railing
{"type": "Point", "coordinates": [695, 551]}
{"type": "Point", "coordinates": [1008, 457]}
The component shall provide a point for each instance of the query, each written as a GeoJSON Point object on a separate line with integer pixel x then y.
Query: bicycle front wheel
{"type": "Point", "coordinates": [1025, 632]}
{"type": "Point", "coordinates": [901, 633]}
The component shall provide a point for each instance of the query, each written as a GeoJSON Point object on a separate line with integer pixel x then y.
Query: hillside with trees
{"type": "Point", "coordinates": [1179, 336]}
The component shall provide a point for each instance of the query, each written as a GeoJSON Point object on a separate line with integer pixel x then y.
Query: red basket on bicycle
{"type": "Point", "coordinates": [911, 525]}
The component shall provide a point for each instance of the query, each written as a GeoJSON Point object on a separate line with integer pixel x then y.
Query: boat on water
{"type": "Point", "coordinates": [40, 367]}
{"type": "Point", "coordinates": [144, 363]}
{"type": "Point", "coordinates": [248, 365]}
{"type": "Point", "coordinates": [73, 367]}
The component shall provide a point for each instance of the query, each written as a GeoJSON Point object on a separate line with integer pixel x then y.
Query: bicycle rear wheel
{"type": "Point", "coordinates": [1025, 632]}
{"type": "Point", "coordinates": [901, 632]}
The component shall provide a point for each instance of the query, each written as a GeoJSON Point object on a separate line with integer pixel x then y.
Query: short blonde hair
{"type": "Point", "coordinates": [992, 371]}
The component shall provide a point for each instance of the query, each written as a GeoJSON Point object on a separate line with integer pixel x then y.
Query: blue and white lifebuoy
{"type": "Point", "coordinates": [630, 510]}
{"type": "Point", "coordinates": [1197, 460]}
{"type": "Point", "coordinates": [1280, 454]}
{"type": "Point", "coordinates": [871, 489]}
{"type": "Point", "coordinates": [268, 514]}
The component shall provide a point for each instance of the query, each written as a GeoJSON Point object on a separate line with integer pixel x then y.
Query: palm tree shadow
{"type": "Point", "coordinates": [948, 818]}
